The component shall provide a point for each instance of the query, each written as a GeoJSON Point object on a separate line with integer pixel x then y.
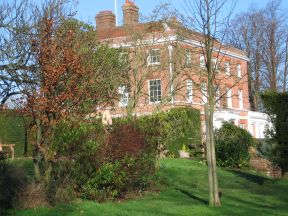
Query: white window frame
{"type": "Point", "coordinates": [189, 91]}
{"type": "Point", "coordinates": [124, 56]}
{"type": "Point", "coordinates": [227, 68]}
{"type": "Point", "coordinates": [150, 57]}
{"type": "Point", "coordinates": [218, 97]}
{"type": "Point", "coordinates": [215, 64]}
{"type": "Point", "coordinates": [240, 98]}
{"type": "Point", "coordinates": [124, 96]}
{"type": "Point", "coordinates": [239, 71]}
{"type": "Point", "coordinates": [149, 91]}
{"type": "Point", "coordinates": [229, 98]}
{"type": "Point", "coordinates": [188, 57]}
{"type": "Point", "coordinates": [204, 92]}
{"type": "Point", "coordinates": [202, 61]}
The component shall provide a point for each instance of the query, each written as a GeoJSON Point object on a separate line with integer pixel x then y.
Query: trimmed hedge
{"type": "Point", "coordinates": [12, 130]}
{"type": "Point", "coordinates": [190, 131]}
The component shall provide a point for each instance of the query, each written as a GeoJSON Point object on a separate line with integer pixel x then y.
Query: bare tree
{"type": "Point", "coordinates": [262, 34]}
{"type": "Point", "coordinates": [204, 21]}
{"type": "Point", "coordinates": [244, 32]}
{"type": "Point", "coordinates": [274, 44]}
{"type": "Point", "coordinates": [16, 61]}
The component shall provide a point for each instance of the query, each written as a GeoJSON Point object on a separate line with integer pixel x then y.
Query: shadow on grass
{"type": "Point", "coordinates": [260, 180]}
{"type": "Point", "coordinates": [205, 202]}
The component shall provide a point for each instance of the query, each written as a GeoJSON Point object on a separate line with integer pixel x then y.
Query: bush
{"type": "Point", "coordinates": [232, 145]}
{"type": "Point", "coordinates": [101, 163]}
{"type": "Point", "coordinates": [276, 106]}
{"type": "Point", "coordinates": [13, 181]}
{"type": "Point", "coordinates": [174, 128]}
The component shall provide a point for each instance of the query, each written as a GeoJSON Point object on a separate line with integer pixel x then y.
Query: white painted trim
{"type": "Point", "coordinates": [175, 38]}
{"type": "Point", "coordinates": [170, 49]}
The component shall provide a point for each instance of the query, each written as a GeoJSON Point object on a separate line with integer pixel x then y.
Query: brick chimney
{"type": "Point", "coordinates": [130, 13]}
{"type": "Point", "coordinates": [105, 20]}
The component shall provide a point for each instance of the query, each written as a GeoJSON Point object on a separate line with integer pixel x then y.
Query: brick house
{"type": "Point", "coordinates": [170, 70]}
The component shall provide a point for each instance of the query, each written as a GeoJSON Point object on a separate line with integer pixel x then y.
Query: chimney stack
{"type": "Point", "coordinates": [130, 13]}
{"type": "Point", "coordinates": [105, 20]}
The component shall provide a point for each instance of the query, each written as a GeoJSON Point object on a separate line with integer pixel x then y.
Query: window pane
{"type": "Point", "coordinates": [189, 91]}
{"type": "Point", "coordinates": [155, 90]}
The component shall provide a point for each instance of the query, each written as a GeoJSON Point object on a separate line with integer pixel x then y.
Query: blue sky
{"type": "Point", "coordinates": [87, 9]}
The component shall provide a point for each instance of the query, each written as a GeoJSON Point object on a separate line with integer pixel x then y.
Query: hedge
{"type": "Point", "coordinates": [276, 106]}
{"type": "Point", "coordinates": [12, 130]}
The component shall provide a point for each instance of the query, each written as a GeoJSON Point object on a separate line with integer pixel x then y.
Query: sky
{"type": "Point", "coordinates": [87, 9]}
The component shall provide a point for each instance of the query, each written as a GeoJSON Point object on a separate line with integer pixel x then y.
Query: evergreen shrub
{"type": "Point", "coordinates": [232, 145]}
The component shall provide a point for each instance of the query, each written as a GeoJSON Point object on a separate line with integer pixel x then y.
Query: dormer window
{"type": "Point", "coordinates": [154, 57]}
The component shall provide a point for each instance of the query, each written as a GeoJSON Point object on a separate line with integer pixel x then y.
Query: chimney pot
{"type": "Point", "coordinates": [105, 20]}
{"type": "Point", "coordinates": [130, 13]}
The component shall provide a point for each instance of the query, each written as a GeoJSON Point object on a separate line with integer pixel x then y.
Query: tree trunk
{"type": "Point", "coordinates": [211, 158]}
{"type": "Point", "coordinates": [208, 155]}
{"type": "Point", "coordinates": [285, 67]}
{"type": "Point", "coordinates": [37, 154]}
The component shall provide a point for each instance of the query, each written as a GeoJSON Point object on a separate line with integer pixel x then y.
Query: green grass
{"type": "Point", "coordinates": [185, 193]}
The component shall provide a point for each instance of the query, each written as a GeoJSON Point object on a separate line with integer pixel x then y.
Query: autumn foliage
{"type": "Point", "coordinates": [75, 75]}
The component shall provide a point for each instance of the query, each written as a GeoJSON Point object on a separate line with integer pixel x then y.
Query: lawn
{"type": "Point", "coordinates": [185, 192]}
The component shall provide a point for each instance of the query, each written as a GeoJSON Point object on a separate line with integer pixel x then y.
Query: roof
{"type": "Point", "coordinates": [173, 28]}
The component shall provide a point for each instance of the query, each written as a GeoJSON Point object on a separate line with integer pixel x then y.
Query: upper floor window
{"type": "Point", "coordinates": [154, 57]}
{"type": "Point", "coordinates": [189, 91]}
{"type": "Point", "coordinates": [204, 92]}
{"type": "Point", "coordinates": [227, 68]}
{"type": "Point", "coordinates": [124, 96]}
{"type": "Point", "coordinates": [229, 98]}
{"type": "Point", "coordinates": [155, 93]}
{"type": "Point", "coordinates": [214, 64]}
{"type": "Point", "coordinates": [124, 57]}
{"type": "Point", "coordinates": [188, 58]}
{"type": "Point", "coordinates": [239, 70]}
{"type": "Point", "coordinates": [202, 61]}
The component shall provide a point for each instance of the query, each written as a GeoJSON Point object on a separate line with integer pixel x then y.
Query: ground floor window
{"type": "Point", "coordinates": [124, 96]}
{"type": "Point", "coordinates": [155, 93]}
{"type": "Point", "coordinates": [189, 91]}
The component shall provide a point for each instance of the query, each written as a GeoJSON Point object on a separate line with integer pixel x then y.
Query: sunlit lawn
{"type": "Point", "coordinates": [185, 192]}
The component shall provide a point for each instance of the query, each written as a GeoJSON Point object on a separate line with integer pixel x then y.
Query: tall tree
{"type": "Point", "coordinates": [16, 61]}
{"type": "Point", "coordinates": [206, 17]}
{"type": "Point", "coordinates": [75, 74]}
{"type": "Point", "coordinates": [244, 33]}
{"type": "Point", "coordinates": [262, 34]}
